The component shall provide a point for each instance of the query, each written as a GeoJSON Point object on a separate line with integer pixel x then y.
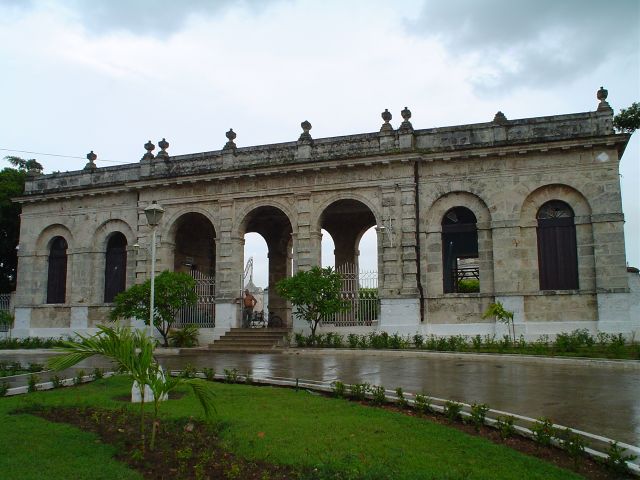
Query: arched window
{"type": "Point", "coordinates": [57, 272]}
{"type": "Point", "coordinates": [557, 250]}
{"type": "Point", "coordinates": [115, 269]}
{"type": "Point", "coordinates": [460, 268]}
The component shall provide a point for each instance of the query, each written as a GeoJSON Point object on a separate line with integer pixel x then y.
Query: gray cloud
{"type": "Point", "coordinates": [542, 42]}
{"type": "Point", "coordinates": [144, 17]}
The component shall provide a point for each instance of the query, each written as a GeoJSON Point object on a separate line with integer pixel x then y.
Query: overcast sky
{"type": "Point", "coordinates": [80, 75]}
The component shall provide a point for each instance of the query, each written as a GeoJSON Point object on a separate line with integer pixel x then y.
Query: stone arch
{"type": "Point", "coordinates": [43, 243]}
{"type": "Point", "coordinates": [583, 231]}
{"type": "Point", "coordinates": [346, 219]}
{"type": "Point", "coordinates": [109, 227]}
{"type": "Point", "coordinates": [243, 215]}
{"type": "Point", "coordinates": [322, 206]}
{"type": "Point", "coordinates": [276, 228]}
{"type": "Point", "coordinates": [450, 200]}
{"type": "Point", "coordinates": [541, 195]}
{"type": "Point", "coordinates": [192, 236]}
{"type": "Point", "coordinates": [434, 250]}
{"type": "Point", "coordinates": [169, 225]}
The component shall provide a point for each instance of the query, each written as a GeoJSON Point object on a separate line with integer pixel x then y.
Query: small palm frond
{"type": "Point", "coordinates": [204, 394]}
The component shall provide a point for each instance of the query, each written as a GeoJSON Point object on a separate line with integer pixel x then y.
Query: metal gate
{"type": "Point", "coordinates": [360, 290]}
{"type": "Point", "coordinates": [203, 313]}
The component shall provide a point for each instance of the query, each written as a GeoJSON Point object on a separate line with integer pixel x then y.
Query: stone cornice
{"type": "Point", "coordinates": [476, 141]}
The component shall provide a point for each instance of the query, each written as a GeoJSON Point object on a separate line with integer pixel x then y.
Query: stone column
{"type": "Point", "coordinates": [229, 269]}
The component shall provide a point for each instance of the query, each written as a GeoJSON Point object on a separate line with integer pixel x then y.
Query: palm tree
{"type": "Point", "coordinates": [132, 351]}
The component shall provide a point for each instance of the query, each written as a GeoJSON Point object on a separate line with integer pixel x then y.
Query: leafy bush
{"type": "Point", "coordinates": [543, 431]}
{"type": "Point", "coordinates": [209, 373]}
{"type": "Point", "coordinates": [97, 373]}
{"type": "Point", "coordinates": [231, 376]}
{"type": "Point", "coordinates": [185, 337]}
{"type": "Point", "coordinates": [189, 371]}
{"type": "Point", "coordinates": [479, 414]}
{"type": "Point", "coordinates": [79, 378]}
{"type": "Point", "coordinates": [352, 338]}
{"type": "Point", "coordinates": [56, 381]}
{"type": "Point", "coordinates": [452, 410]}
{"type": "Point", "coordinates": [418, 340]}
{"type": "Point", "coordinates": [379, 340]}
{"type": "Point", "coordinates": [423, 403]}
{"type": "Point", "coordinates": [573, 444]}
{"type": "Point", "coordinates": [379, 395]}
{"type": "Point", "coordinates": [358, 391]}
{"type": "Point", "coordinates": [401, 401]}
{"type": "Point", "coordinates": [4, 388]}
{"type": "Point", "coordinates": [33, 381]}
{"type": "Point", "coordinates": [505, 426]}
{"type": "Point", "coordinates": [617, 460]}
{"type": "Point", "coordinates": [469, 285]}
{"type": "Point", "coordinates": [339, 389]}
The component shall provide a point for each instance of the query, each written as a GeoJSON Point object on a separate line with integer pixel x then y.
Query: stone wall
{"type": "Point", "coordinates": [405, 180]}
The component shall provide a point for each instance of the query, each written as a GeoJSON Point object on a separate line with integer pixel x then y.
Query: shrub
{"type": "Point", "coordinates": [423, 403]}
{"type": "Point", "coordinates": [397, 342]}
{"type": "Point", "coordinates": [452, 410]}
{"type": "Point", "coordinates": [231, 376]}
{"type": "Point", "coordinates": [32, 385]}
{"type": "Point", "coordinates": [401, 401]}
{"type": "Point", "coordinates": [77, 380]}
{"type": "Point", "coordinates": [189, 371]}
{"type": "Point", "coordinates": [56, 381]}
{"type": "Point", "coordinates": [339, 389]}
{"type": "Point", "coordinates": [469, 285]}
{"type": "Point", "coordinates": [359, 391]}
{"type": "Point", "coordinates": [300, 339]}
{"type": "Point", "coordinates": [379, 340]}
{"type": "Point", "coordinates": [505, 426]}
{"type": "Point", "coordinates": [573, 444]}
{"type": "Point", "coordinates": [379, 395]}
{"type": "Point", "coordinates": [617, 460]}
{"type": "Point", "coordinates": [352, 338]}
{"type": "Point", "coordinates": [35, 367]}
{"type": "Point", "coordinates": [97, 373]}
{"type": "Point", "coordinates": [209, 373]}
{"type": "Point", "coordinates": [4, 388]}
{"type": "Point", "coordinates": [185, 337]}
{"type": "Point", "coordinates": [476, 342]}
{"type": "Point", "coordinates": [418, 340]}
{"type": "Point", "coordinates": [543, 431]}
{"type": "Point", "coordinates": [479, 414]}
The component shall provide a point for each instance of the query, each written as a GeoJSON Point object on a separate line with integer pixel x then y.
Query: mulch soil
{"type": "Point", "coordinates": [191, 449]}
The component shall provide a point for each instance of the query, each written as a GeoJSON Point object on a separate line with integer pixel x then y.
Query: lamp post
{"type": "Point", "coordinates": [154, 214]}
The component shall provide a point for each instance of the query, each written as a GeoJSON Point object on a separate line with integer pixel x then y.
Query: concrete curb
{"type": "Point", "coordinates": [632, 365]}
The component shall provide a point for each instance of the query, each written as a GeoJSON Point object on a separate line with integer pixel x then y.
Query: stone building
{"type": "Point", "coordinates": [527, 212]}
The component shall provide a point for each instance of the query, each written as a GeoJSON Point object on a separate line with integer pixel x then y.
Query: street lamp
{"type": "Point", "coordinates": [154, 214]}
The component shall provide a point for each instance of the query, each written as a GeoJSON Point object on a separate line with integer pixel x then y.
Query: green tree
{"type": "Point", "coordinates": [173, 291]}
{"type": "Point", "coordinates": [315, 293]}
{"type": "Point", "coordinates": [498, 311]}
{"type": "Point", "coordinates": [628, 120]}
{"type": "Point", "coordinates": [11, 185]}
{"type": "Point", "coordinates": [132, 351]}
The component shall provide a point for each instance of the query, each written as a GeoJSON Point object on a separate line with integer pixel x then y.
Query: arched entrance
{"type": "Point", "coordinates": [349, 223]}
{"type": "Point", "coordinates": [195, 253]}
{"type": "Point", "coordinates": [275, 228]}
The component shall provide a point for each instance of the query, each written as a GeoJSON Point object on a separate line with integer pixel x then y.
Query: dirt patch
{"type": "Point", "coordinates": [184, 449]}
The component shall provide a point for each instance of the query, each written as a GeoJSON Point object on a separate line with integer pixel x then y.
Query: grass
{"type": "Point", "coordinates": [277, 425]}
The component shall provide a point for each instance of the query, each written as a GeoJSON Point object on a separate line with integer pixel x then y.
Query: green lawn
{"type": "Point", "coordinates": [273, 424]}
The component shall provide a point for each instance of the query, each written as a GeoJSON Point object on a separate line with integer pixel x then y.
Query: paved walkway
{"type": "Point", "coordinates": [594, 396]}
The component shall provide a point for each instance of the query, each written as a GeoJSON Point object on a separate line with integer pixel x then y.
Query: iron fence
{"type": "Point", "coordinates": [5, 302]}
{"type": "Point", "coordinates": [360, 291]}
{"type": "Point", "coordinates": [202, 314]}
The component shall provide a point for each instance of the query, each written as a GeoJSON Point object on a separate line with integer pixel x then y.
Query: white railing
{"type": "Point", "coordinates": [202, 314]}
{"type": "Point", "coordinates": [360, 291]}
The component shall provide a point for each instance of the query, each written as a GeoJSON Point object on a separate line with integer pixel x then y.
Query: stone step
{"type": "Point", "coordinates": [250, 340]}
{"type": "Point", "coordinates": [241, 349]}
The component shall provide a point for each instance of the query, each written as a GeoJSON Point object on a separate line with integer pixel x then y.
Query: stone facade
{"type": "Point", "coordinates": [403, 181]}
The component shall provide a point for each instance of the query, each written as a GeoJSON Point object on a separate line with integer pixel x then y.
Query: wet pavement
{"type": "Point", "coordinates": [597, 397]}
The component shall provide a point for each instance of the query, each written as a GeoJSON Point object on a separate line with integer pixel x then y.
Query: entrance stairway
{"type": "Point", "coordinates": [251, 340]}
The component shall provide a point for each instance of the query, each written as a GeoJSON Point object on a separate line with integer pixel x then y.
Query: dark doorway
{"type": "Point", "coordinates": [57, 271]}
{"type": "Point", "coordinates": [557, 249]}
{"type": "Point", "coordinates": [115, 270]}
{"type": "Point", "coordinates": [460, 267]}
